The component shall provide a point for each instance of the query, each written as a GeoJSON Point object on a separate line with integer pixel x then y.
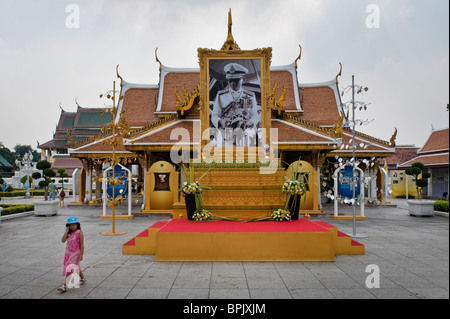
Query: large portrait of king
{"type": "Point", "coordinates": [234, 88]}
{"type": "Point", "coordinates": [235, 102]}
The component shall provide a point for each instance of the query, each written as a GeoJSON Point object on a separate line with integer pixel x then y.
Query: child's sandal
{"type": "Point", "coordinates": [82, 281]}
{"type": "Point", "coordinates": [63, 288]}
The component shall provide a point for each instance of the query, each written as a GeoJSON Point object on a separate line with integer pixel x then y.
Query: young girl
{"type": "Point", "coordinates": [74, 249]}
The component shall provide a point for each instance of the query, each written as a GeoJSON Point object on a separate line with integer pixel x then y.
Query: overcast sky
{"type": "Point", "coordinates": [45, 61]}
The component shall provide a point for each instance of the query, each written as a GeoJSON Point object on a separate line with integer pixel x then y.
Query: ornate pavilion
{"type": "Point", "coordinates": [306, 121]}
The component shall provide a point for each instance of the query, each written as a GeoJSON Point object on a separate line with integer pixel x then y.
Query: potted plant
{"type": "Point", "coordinates": [47, 174]}
{"type": "Point", "coordinates": [192, 192]}
{"type": "Point", "coordinates": [294, 187]}
{"type": "Point", "coordinates": [420, 207]}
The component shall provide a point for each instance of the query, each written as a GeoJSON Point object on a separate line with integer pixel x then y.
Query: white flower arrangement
{"type": "Point", "coordinates": [203, 215]}
{"type": "Point", "coordinates": [190, 188]}
{"type": "Point", "coordinates": [293, 187]}
{"type": "Point", "coordinates": [281, 215]}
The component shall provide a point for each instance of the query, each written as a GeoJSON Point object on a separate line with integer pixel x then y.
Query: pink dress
{"type": "Point", "coordinates": [73, 252]}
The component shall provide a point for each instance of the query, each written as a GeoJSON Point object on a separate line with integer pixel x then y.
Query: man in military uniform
{"type": "Point", "coordinates": [234, 109]}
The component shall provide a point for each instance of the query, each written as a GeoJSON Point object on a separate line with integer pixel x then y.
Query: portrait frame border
{"type": "Point", "coordinates": [265, 56]}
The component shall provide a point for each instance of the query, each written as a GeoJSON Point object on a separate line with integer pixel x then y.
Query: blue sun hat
{"type": "Point", "coordinates": [72, 220]}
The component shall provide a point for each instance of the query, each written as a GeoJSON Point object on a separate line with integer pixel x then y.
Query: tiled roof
{"type": "Point", "coordinates": [4, 162]}
{"type": "Point", "coordinates": [291, 133]}
{"type": "Point", "coordinates": [284, 79]}
{"type": "Point", "coordinates": [428, 160]}
{"type": "Point", "coordinates": [434, 152]}
{"type": "Point", "coordinates": [176, 80]}
{"type": "Point", "coordinates": [96, 145]}
{"type": "Point", "coordinates": [67, 162]}
{"type": "Point", "coordinates": [54, 144]}
{"type": "Point", "coordinates": [319, 105]}
{"type": "Point", "coordinates": [161, 135]}
{"type": "Point", "coordinates": [402, 154]}
{"type": "Point", "coordinates": [317, 101]}
{"type": "Point", "coordinates": [82, 124]}
{"type": "Point", "coordinates": [139, 106]}
{"type": "Point", "coordinates": [438, 141]}
{"type": "Point", "coordinates": [316, 107]}
{"type": "Point", "coordinates": [91, 117]}
{"type": "Point", "coordinates": [66, 121]}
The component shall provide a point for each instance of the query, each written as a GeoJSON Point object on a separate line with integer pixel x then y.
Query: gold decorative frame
{"type": "Point", "coordinates": [264, 55]}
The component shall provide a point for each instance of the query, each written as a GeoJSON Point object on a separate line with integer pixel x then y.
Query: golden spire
{"type": "Point", "coordinates": [230, 24]}
{"type": "Point", "coordinates": [230, 44]}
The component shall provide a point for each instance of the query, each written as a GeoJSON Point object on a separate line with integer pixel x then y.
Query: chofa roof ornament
{"type": "Point", "coordinates": [230, 44]}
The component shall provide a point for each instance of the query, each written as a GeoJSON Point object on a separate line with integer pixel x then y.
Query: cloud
{"type": "Point", "coordinates": [409, 96]}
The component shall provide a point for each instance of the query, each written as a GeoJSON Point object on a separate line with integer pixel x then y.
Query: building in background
{"type": "Point", "coordinates": [434, 155]}
{"type": "Point", "coordinates": [71, 127]}
{"type": "Point", "coordinates": [399, 179]}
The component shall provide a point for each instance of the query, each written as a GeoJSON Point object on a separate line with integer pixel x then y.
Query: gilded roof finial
{"type": "Point", "coordinates": [393, 137]}
{"type": "Point", "coordinates": [117, 72]}
{"type": "Point", "coordinates": [340, 72]}
{"type": "Point", "coordinates": [299, 55]}
{"type": "Point", "coordinates": [157, 60]}
{"type": "Point", "coordinates": [230, 44]}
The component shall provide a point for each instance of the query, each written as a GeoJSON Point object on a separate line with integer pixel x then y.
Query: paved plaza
{"type": "Point", "coordinates": [411, 253]}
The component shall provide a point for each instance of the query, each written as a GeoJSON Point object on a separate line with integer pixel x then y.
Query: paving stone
{"type": "Point", "coordinates": [412, 255]}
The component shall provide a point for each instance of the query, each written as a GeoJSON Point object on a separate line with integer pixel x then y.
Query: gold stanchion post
{"type": "Point", "coordinates": [118, 129]}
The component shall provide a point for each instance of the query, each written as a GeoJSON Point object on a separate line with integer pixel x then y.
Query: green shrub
{"type": "Point", "coordinates": [14, 209]}
{"type": "Point", "coordinates": [34, 192]}
{"type": "Point", "coordinates": [404, 196]}
{"type": "Point", "coordinates": [441, 206]}
{"type": "Point", "coordinates": [22, 192]}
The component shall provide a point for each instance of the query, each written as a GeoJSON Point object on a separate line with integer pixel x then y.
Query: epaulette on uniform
{"type": "Point", "coordinates": [224, 91]}
{"type": "Point", "coordinates": [249, 94]}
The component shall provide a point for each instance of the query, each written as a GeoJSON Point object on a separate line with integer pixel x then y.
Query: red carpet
{"type": "Point", "coordinates": [300, 240]}
{"type": "Point", "coordinates": [186, 226]}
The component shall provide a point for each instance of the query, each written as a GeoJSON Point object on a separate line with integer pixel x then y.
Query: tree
{"type": "Point", "coordinates": [7, 154]}
{"type": "Point", "coordinates": [21, 150]}
{"type": "Point", "coordinates": [418, 169]}
{"type": "Point", "coordinates": [47, 174]}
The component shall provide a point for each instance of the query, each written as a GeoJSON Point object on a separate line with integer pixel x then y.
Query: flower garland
{"type": "Point", "coordinates": [203, 215]}
{"type": "Point", "coordinates": [281, 215]}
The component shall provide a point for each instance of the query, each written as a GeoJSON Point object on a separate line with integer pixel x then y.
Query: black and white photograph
{"type": "Point", "coordinates": [235, 102]}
